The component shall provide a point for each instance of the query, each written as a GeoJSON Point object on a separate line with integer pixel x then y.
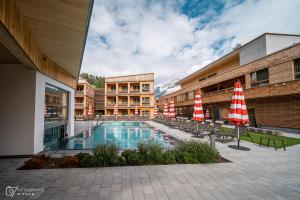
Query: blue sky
{"type": "Point", "coordinates": [174, 38]}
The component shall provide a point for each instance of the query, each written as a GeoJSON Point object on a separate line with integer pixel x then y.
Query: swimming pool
{"type": "Point", "coordinates": [125, 135]}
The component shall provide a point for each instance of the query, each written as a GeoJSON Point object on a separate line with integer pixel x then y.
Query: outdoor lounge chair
{"type": "Point", "coordinates": [224, 136]}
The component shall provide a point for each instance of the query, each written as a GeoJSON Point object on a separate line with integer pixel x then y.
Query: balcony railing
{"type": "Point", "coordinates": [146, 103]}
{"type": "Point", "coordinates": [123, 91]}
{"type": "Point", "coordinates": [123, 103]}
{"type": "Point", "coordinates": [111, 104]}
{"type": "Point", "coordinates": [79, 92]}
{"type": "Point", "coordinates": [135, 104]}
{"type": "Point", "coordinates": [145, 90]}
{"type": "Point", "coordinates": [79, 105]}
{"type": "Point", "coordinates": [135, 91]}
{"type": "Point", "coordinates": [111, 91]}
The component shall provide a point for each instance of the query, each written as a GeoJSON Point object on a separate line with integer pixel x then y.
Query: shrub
{"type": "Point", "coordinates": [132, 157]}
{"type": "Point", "coordinates": [42, 157]}
{"type": "Point", "coordinates": [81, 155]}
{"type": "Point", "coordinates": [168, 157]}
{"type": "Point", "coordinates": [34, 163]}
{"type": "Point", "coordinates": [105, 155]}
{"type": "Point", "coordinates": [87, 161]}
{"type": "Point", "coordinates": [150, 152]}
{"type": "Point", "coordinates": [195, 152]}
{"type": "Point", "coordinates": [70, 161]}
{"type": "Point", "coordinates": [120, 161]}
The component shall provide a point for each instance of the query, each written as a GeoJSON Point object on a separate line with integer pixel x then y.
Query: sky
{"type": "Point", "coordinates": [174, 38]}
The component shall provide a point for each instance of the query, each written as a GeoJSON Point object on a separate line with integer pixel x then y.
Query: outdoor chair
{"type": "Point", "coordinates": [223, 135]}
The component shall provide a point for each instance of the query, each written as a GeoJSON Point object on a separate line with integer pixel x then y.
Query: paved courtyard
{"type": "Point", "coordinates": [261, 173]}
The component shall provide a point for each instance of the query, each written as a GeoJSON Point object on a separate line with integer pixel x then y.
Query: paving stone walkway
{"type": "Point", "coordinates": [261, 173]}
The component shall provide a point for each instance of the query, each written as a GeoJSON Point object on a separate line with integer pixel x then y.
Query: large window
{"type": "Point", "coordinates": [56, 104]}
{"type": "Point", "coordinates": [297, 68]}
{"type": "Point", "coordinates": [260, 78]}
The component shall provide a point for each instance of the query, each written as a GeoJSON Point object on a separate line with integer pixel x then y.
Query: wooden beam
{"type": "Point", "coordinates": [17, 38]}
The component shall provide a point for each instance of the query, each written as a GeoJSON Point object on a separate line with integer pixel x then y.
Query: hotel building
{"type": "Point", "coordinates": [127, 93]}
{"type": "Point", "coordinates": [84, 98]}
{"type": "Point", "coordinates": [41, 48]}
{"type": "Point", "coordinates": [269, 70]}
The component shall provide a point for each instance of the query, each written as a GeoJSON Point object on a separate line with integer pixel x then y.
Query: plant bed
{"type": "Point", "coordinates": [150, 153]}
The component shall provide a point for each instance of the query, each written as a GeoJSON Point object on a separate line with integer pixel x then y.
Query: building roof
{"type": "Point", "coordinates": [230, 54]}
{"type": "Point", "coordinates": [59, 28]}
{"type": "Point", "coordinates": [131, 78]}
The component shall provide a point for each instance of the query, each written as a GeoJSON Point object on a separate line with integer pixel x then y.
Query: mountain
{"type": "Point", "coordinates": [166, 88]}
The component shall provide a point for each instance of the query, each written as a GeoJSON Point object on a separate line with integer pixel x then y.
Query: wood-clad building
{"type": "Point", "coordinates": [99, 101]}
{"type": "Point", "coordinates": [41, 49]}
{"type": "Point", "coordinates": [127, 93]}
{"type": "Point", "coordinates": [269, 70]}
{"type": "Point", "coordinates": [84, 99]}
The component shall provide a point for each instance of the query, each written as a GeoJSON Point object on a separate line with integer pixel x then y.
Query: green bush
{"type": "Point", "coordinates": [105, 155]}
{"type": "Point", "coordinates": [195, 152]}
{"type": "Point", "coordinates": [132, 157]}
{"type": "Point", "coordinates": [169, 157]}
{"type": "Point", "coordinates": [150, 152]}
{"type": "Point", "coordinates": [87, 161]}
{"type": "Point", "coordinates": [81, 155]}
{"type": "Point", "coordinates": [70, 161]}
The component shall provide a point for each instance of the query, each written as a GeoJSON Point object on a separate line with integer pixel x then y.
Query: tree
{"type": "Point", "coordinates": [97, 81]}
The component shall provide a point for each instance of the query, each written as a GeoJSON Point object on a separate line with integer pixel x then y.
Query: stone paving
{"type": "Point", "coordinates": [261, 173]}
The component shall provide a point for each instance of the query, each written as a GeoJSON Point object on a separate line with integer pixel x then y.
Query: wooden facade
{"type": "Point", "coordinates": [128, 93]}
{"type": "Point", "coordinates": [272, 102]}
{"type": "Point", "coordinates": [18, 37]}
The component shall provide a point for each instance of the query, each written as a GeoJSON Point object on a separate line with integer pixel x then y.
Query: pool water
{"type": "Point", "coordinates": [125, 135]}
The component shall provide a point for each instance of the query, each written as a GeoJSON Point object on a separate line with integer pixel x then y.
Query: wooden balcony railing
{"type": "Point", "coordinates": [79, 92]}
{"type": "Point", "coordinates": [123, 103]}
{"type": "Point", "coordinates": [135, 91]}
{"type": "Point", "coordinates": [123, 91]}
{"type": "Point", "coordinates": [145, 103]}
{"type": "Point", "coordinates": [111, 91]}
{"type": "Point", "coordinates": [111, 104]}
{"type": "Point", "coordinates": [135, 104]}
{"type": "Point", "coordinates": [79, 105]}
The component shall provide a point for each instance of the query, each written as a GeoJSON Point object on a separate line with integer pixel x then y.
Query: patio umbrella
{"type": "Point", "coordinates": [90, 111]}
{"type": "Point", "coordinates": [172, 110]}
{"type": "Point", "coordinates": [116, 112]}
{"type": "Point", "coordinates": [207, 115]}
{"type": "Point", "coordinates": [45, 110]}
{"type": "Point", "coordinates": [238, 111]}
{"type": "Point", "coordinates": [155, 111]}
{"type": "Point", "coordinates": [165, 113]}
{"type": "Point", "coordinates": [198, 109]}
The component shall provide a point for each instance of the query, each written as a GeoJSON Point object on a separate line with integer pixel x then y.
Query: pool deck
{"type": "Point", "coordinates": [261, 173]}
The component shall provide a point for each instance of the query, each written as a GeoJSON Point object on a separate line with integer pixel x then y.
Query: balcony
{"type": "Point", "coordinates": [135, 104]}
{"type": "Point", "coordinates": [135, 91]}
{"type": "Point", "coordinates": [145, 103]}
{"type": "Point", "coordinates": [123, 103]}
{"type": "Point", "coordinates": [111, 104]}
{"type": "Point", "coordinates": [123, 91]}
{"type": "Point", "coordinates": [111, 92]}
{"type": "Point", "coordinates": [79, 105]}
{"type": "Point", "coordinates": [79, 92]}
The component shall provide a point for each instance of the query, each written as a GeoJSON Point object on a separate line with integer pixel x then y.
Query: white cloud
{"type": "Point", "coordinates": [141, 37]}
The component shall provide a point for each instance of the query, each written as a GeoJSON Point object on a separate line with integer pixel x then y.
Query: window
{"type": "Point", "coordinates": [260, 78]}
{"type": "Point", "coordinates": [186, 96]}
{"type": "Point", "coordinates": [297, 68]}
{"type": "Point", "coordinates": [145, 87]}
{"type": "Point", "coordinates": [145, 113]}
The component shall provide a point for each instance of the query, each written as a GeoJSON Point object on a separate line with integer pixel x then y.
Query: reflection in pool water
{"type": "Point", "coordinates": [126, 135]}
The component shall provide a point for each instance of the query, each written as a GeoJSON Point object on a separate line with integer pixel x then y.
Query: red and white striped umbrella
{"type": "Point", "coordinates": [166, 112]}
{"type": "Point", "coordinates": [136, 111]}
{"type": "Point", "coordinates": [207, 115]}
{"type": "Point", "coordinates": [116, 111]}
{"type": "Point", "coordinates": [238, 110]}
{"type": "Point", "coordinates": [90, 111]}
{"type": "Point", "coordinates": [198, 109]}
{"type": "Point", "coordinates": [45, 110]}
{"type": "Point", "coordinates": [172, 110]}
{"type": "Point", "coordinates": [155, 110]}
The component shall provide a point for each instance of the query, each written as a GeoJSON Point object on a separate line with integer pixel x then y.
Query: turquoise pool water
{"type": "Point", "coordinates": [126, 135]}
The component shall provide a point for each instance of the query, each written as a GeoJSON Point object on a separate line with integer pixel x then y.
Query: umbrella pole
{"type": "Point", "coordinates": [197, 128]}
{"type": "Point", "coordinates": [238, 131]}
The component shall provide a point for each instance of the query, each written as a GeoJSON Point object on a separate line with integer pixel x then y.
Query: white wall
{"type": "Point", "coordinates": [41, 81]}
{"type": "Point", "coordinates": [17, 110]}
{"type": "Point", "coordinates": [277, 42]}
{"type": "Point", "coordinates": [22, 104]}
